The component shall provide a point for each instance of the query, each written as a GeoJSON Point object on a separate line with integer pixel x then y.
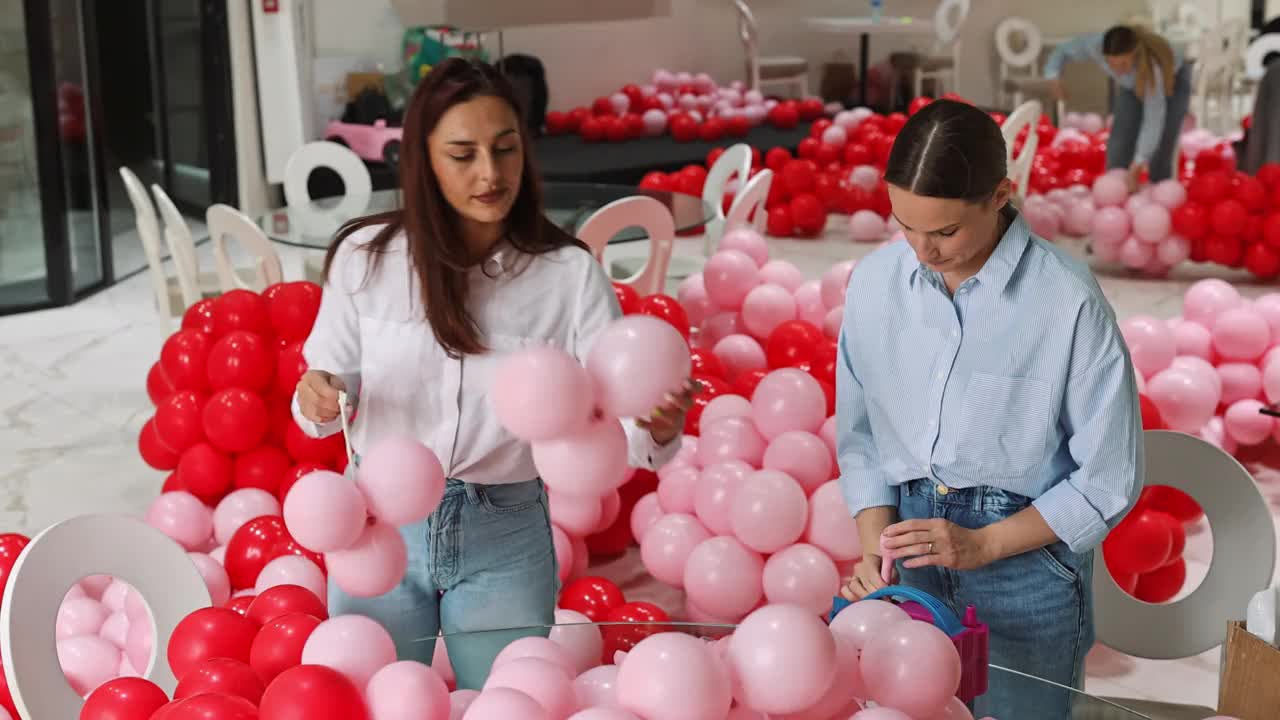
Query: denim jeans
{"type": "Point", "coordinates": [484, 560]}
{"type": "Point", "coordinates": [1038, 605]}
{"type": "Point", "coordinates": [1126, 111]}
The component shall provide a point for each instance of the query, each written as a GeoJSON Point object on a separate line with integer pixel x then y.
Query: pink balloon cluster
{"type": "Point", "coordinates": [741, 296]}
{"type": "Point", "coordinates": [103, 630]}
{"type": "Point", "coordinates": [399, 482]}
{"type": "Point", "coordinates": [1209, 371]}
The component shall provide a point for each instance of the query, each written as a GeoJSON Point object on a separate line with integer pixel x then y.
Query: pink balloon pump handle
{"type": "Point", "coordinates": [886, 564]}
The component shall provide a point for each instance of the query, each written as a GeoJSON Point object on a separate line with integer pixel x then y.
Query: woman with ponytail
{"type": "Point", "coordinates": [1152, 95]}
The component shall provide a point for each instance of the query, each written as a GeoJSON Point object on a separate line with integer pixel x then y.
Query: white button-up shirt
{"type": "Point", "coordinates": [372, 331]}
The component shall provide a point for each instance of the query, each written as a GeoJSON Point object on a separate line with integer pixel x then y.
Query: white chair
{"type": "Point", "coordinates": [735, 161]}
{"type": "Point", "coordinates": [225, 221]}
{"type": "Point", "coordinates": [1027, 115]}
{"type": "Point", "coordinates": [943, 63]}
{"type": "Point", "coordinates": [170, 302]}
{"type": "Point", "coordinates": [786, 70]}
{"type": "Point", "coordinates": [643, 212]}
{"type": "Point", "coordinates": [1019, 43]}
{"type": "Point", "coordinates": [1215, 70]}
{"type": "Point", "coordinates": [751, 199]}
{"type": "Point", "coordinates": [182, 250]}
{"type": "Point", "coordinates": [317, 220]}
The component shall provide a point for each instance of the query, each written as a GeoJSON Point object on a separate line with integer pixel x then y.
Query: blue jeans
{"type": "Point", "coordinates": [483, 561]}
{"type": "Point", "coordinates": [1038, 605]}
{"type": "Point", "coordinates": [1126, 111]}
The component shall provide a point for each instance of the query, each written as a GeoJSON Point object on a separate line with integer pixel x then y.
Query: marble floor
{"type": "Point", "coordinates": [72, 400]}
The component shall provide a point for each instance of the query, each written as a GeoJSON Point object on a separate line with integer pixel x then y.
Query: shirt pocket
{"type": "Point", "coordinates": [1004, 425]}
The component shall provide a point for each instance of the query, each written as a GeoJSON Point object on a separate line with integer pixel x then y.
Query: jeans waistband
{"type": "Point", "coordinates": [473, 492]}
{"type": "Point", "coordinates": [978, 497]}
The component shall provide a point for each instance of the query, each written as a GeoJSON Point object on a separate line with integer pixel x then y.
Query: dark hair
{"type": "Point", "coordinates": [438, 256]}
{"type": "Point", "coordinates": [1119, 40]}
{"type": "Point", "coordinates": [948, 150]}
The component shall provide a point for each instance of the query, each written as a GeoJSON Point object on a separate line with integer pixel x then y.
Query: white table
{"type": "Point", "coordinates": [865, 26]}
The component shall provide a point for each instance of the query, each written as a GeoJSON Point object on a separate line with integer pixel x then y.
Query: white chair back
{"type": "Point", "coordinates": [144, 217]}
{"type": "Point", "coordinates": [751, 198]}
{"type": "Point", "coordinates": [1257, 52]}
{"type": "Point", "coordinates": [1026, 115]}
{"type": "Point", "coordinates": [355, 179]}
{"type": "Point", "coordinates": [948, 19]}
{"type": "Point", "coordinates": [1023, 33]}
{"type": "Point", "coordinates": [225, 221]}
{"type": "Point", "coordinates": [182, 249]}
{"type": "Point", "coordinates": [1215, 66]}
{"type": "Point", "coordinates": [735, 161]}
{"type": "Point", "coordinates": [749, 34]}
{"type": "Point", "coordinates": [646, 213]}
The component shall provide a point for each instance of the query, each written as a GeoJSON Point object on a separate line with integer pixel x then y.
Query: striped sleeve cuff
{"type": "Point", "coordinates": [1072, 517]}
{"type": "Point", "coordinates": [865, 492]}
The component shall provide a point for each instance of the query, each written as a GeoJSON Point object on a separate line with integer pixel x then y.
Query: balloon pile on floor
{"type": "Point", "coordinates": [688, 106]}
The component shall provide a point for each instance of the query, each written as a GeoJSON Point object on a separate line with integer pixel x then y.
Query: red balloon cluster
{"type": "Point", "coordinates": [234, 666]}
{"type": "Point", "coordinates": [602, 601]}
{"type": "Point", "coordinates": [1232, 218]}
{"type": "Point", "coordinates": [1144, 552]}
{"type": "Point", "coordinates": [222, 390]}
{"type": "Point", "coordinates": [1077, 160]}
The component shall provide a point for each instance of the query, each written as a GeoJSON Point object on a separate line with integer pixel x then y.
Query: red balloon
{"type": "Point", "coordinates": [293, 475]}
{"type": "Point", "coordinates": [282, 600]}
{"type": "Point", "coordinates": [242, 359]}
{"type": "Point", "coordinates": [712, 387]}
{"type": "Point", "coordinates": [713, 129]}
{"type": "Point", "coordinates": [1228, 218]}
{"type": "Point", "coordinates": [683, 127]}
{"type": "Point", "coordinates": [1262, 260]}
{"type": "Point", "coordinates": [807, 149]}
{"type": "Point", "coordinates": [239, 605]}
{"type": "Point", "coordinates": [312, 692]}
{"type": "Point", "coordinates": [159, 387]}
{"type": "Point", "coordinates": [779, 222]}
{"type": "Point", "coordinates": [1163, 584]}
{"type": "Point", "coordinates": [208, 706]}
{"type": "Point", "coordinates": [279, 644]}
{"type": "Point", "coordinates": [1151, 419]}
{"type": "Point", "coordinates": [209, 633]}
{"type": "Point", "coordinates": [646, 617]}
{"type": "Point", "coordinates": [241, 310]}
{"type": "Point", "coordinates": [793, 342]}
{"type": "Point", "coordinates": [199, 317]}
{"type": "Point", "coordinates": [235, 420]}
{"type": "Point", "coordinates": [293, 309]}
{"type": "Point", "coordinates": [1269, 175]}
{"type": "Point", "coordinates": [592, 596]}
{"type": "Point", "coordinates": [656, 180]}
{"type": "Point", "coordinates": [745, 383]}
{"type": "Point", "coordinates": [776, 158]}
{"type": "Point", "coordinates": [1224, 250]}
{"type": "Point", "coordinates": [11, 545]}
{"type": "Point", "coordinates": [183, 357]}
{"type": "Point", "coordinates": [557, 122]}
{"type": "Point", "coordinates": [808, 214]}
{"type": "Point", "coordinates": [1191, 220]}
{"type": "Point", "coordinates": [257, 543]}
{"type": "Point", "coordinates": [206, 472]}
{"type": "Point", "coordinates": [616, 129]}
{"type": "Point", "coordinates": [290, 366]}
{"type": "Point", "coordinates": [179, 421]}
{"type": "Point", "coordinates": [918, 104]}
{"type": "Point", "coordinates": [592, 129]}
{"type": "Point", "coordinates": [823, 367]}
{"type": "Point", "coordinates": [262, 467]}
{"type": "Point", "coordinates": [799, 176]}
{"type": "Point", "coordinates": [223, 676]}
{"type": "Point", "coordinates": [1139, 544]}
{"type": "Point", "coordinates": [1171, 501]}
{"type": "Point", "coordinates": [1251, 193]}
{"type": "Point", "coordinates": [154, 452]}
{"type": "Point", "coordinates": [171, 484]}
{"type": "Point", "coordinates": [613, 540]}
{"type": "Point", "coordinates": [124, 698]}
{"type": "Point", "coordinates": [303, 448]}
{"type": "Point", "coordinates": [666, 308]}
{"type": "Point", "coordinates": [784, 116]}
{"type": "Point", "coordinates": [810, 108]}
{"type": "Point", "coordinates": [1209, 188]}
{"type": "Point", "coordinates": [628, 298]}
{"type": "Point", "coordinates": [705, 362]}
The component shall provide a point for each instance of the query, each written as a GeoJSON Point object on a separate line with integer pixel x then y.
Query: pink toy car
{"type": "Point", "coordinates": [377, 142]}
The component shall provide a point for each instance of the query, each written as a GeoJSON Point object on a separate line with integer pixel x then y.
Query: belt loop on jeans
{"type": "Point", "coordinates": [474, 492]}
{"type": "Point", "coordinates": [979, 497]}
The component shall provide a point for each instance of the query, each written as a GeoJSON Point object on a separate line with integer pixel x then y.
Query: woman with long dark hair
{"type": "Point", "coordinates": [1151, 99]}
{"type": "Point", "coordinates": [418, 308]}
{"type": "Point", "coordinates": [988, 427]}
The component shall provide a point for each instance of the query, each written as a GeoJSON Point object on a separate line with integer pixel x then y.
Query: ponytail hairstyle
{"type": "Point", "coordinates": [1149, 51]}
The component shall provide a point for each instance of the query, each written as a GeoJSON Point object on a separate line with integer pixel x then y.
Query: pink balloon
{"type": "Point", "coordinates": [138, 644]}
{"type": "Point", "coordinates": [1269, 307]}
{"type": "Point", "coordinates": [809, 305]}
{"type": "Point", "coordinates": [894, 660]}
{"type": "Point", "coordinates": [1204, 370]}
{"type": "Point", "coordinates": [667, 545]}
{"type": "Point", "coordinates": [563, 547]}
{"type": "Point", "coordinates": [782, 274]}
{"type": "Point", "coordinates": [769, 511]}
{"type": "Point", "coordinates": [645, 513]}
{"type": "Point", "coordinates": [558, 404]}
{"type": "Point", "coordinates": [802, 575]}
{"type": "Point", "coordinates": [833, 322]}
{"type": "Point", "coordinates": [828, 434]}
{"type": "Point", "coordinates": [1151, 223]}
{"type": "Point", "coordinates": [215, 578]}
{"type": "Point", "coordinates": [87, 661]}
{"type": "Point", "coordinates": [354, 645]}
{"type": "Point", "coordinates": [954, 710]}
{"type": "Point", "coordinates": [238, 508]}
{"type": "Point", "coordinates": [1109, 191]}
{"type": "Point", "coordinates": [182, 517]}
{"type": "Point", "coordinates": [713, 495]}
{"type": "Point", "coordinates": [325, 511]}
{"type": "Point", "coordinates": [788, 399]}
{"type": "Point", "coordinates": [580, 640]}
{"type": "Point", "coordinates": [373, 565]}
{"type": "Point", "coordinates": [834, 283]}
{"type": "Point", "coordinates": [503, 703]}
{"type": "Point", "coordinates": [719, 326]}
{"type": "Point", "coordinates": [1241, 333]}
{"type": "Point", "coordinates": [621, 103]}
{"type": "Point", "coordinates": [722, 406]}
{"type": "Point", "coordinates": [865, 177]}
{"type": "Point", "coordinates": [740, 353]}
{"type": "Point", "coordinates": [1185, 399]}
{"type": "Point", "coordinates": [610, 508]}
{"type": "Point", "coordinates": [784, 657]}
{"type": "Point", "coordinates": [676, 489]}
{"type": "Point", "coordinates": [589, 463]}
{"type": "Point", "coordinates": [407, 690]}
{"type": "Point", "coordinates": [1173, 249]}
{"type": "Point", "coordinates": [748, 241]}
{"type": "Point", "coordinates": [1136, 254]}
{"type": "Point", "coordinates": [723, 577]}
{"type": "Point", "coordinates": [880, 713]}
{"type": "Point", "coordinates": [865, 619]}
{"type": "Point", "coordinates": [547, 682]}
{"type": "Point", "coordinates": [402, 479]}
{"type": "Point", "coordinates": [692, 295]}
{"type": "Point", "coordinates": [116, 596]}
{"type": "Point", "coordinates": [219, 554]}
{"type": "Point", "coordinates": [598, 686]}
{"type": "Point", "coordinates": [635, 362]}
{"type": "Point", "coordinates": [840, 700]}
{"type": "Point", "coordinates": [1151, 343]}
{"type": "Point", "coordinates": [1245, 424]}
{"type": "Point", "coordinates": [116, 629]}
{"type": "Point", "coordinates": [460, 700]}
{"type": "Point", "coordinates": [1240, 381]}
{"type": "Point", "coordinates": [730, 438]}
{"type": "Point", "coordinates": [603, 713]}
{"type": "Point", "coordinates": [292, 570]}
{"type": "Point", "coordinates": [1215, 432]}
{"type": "Point", "coordinates": [865, 226]}
{"type": "Point", "coordinates": [834, 135]}
{"type": "Point", "coordinates": [765, 308]}
{"type": "Point", "coordinates": [674, 676]}
{"type": "Point", "coordinates": [80, 616]}
{"type": "Point", "coordinates": [1192, 338]}
{"type": "Point", "coordinates": [655, 122]}
{"type": "Point", "coordinates": [578, 514]}
{"type": "Point", "coordinates": [541, 648]}
{"type": "Point", "coordinates": [1106, 250]}
{"type": "Point", "coordinates": [1135, 203]}
{"type": "Point", "coordinates": [803, 456]}
{"type": "Point", "coordinates": [831, 526]}
{"type": "Point", "coordinates": [1205, 299]}
{"type": "Point", "coordinates": [1110, 224]}
{"type": "Point", "coordinates": [1079, 219]}
{"type": "Point", "coordinates": [729, 275]}
{"type": "Point", "coordinates": [1169, 193]}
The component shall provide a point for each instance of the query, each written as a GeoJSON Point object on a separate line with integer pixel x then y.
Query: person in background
{"type": "Point", "coordinates": [1151, 99]}
{"type": "Point", "coordinates": [987, 419]}
{"type": "Point", "coordinates": [418, 307]}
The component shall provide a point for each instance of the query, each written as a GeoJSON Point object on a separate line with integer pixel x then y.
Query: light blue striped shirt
{"type": "Point", "coordinates": [1020, 381]}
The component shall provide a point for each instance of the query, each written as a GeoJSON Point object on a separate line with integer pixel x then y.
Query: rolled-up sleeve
{"type": "Point", "coordinates": [1103, 423]}
{"type": "Point", "coordinates": [334, 343]}
{"type": "Point", "coordinates": [862, 481]}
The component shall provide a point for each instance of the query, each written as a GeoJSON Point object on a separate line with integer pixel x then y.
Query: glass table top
{"type": "Point", "coordinates": [568, 205]}
{"type": "Point", "coordinates": [622, 635]}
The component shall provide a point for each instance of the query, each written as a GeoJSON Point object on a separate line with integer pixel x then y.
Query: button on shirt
{"type": "Point", "coordinates": [372, 331]}
{"type": "Point", "coordinates": [1019, 381]}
